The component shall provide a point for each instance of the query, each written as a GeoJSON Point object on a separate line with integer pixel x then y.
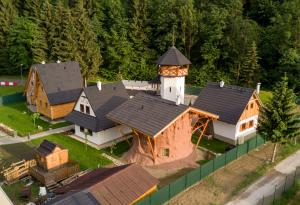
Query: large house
{"type": "Point", "coordinates": [237, 108]}
{"type": "Point", "coordinates": [52, 89]}
{"type": "Point", "coordinates": [89, 114]}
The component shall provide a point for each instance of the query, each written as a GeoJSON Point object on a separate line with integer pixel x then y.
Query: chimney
{"type": "Point", "coordinates": [99, 85]}
{"type": "Point", "coordinates": [178, 100]}
{"type": "Point", "coordinates": [258, 88]}
{"type": "Point", "coordinates": [58, 61]}
{"type": "Point", "coordinates": [43, 62]}
{"type": "Point", "coordinates": [222, 84]}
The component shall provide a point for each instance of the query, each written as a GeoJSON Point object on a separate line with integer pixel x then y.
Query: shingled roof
{"type": "Point", "coordinates": [117, 185]}
{"type": "Point", "coordinates": [173, 57]}
{"type": "Point", "coordinates": [46, 147]}
{"type": "Point", "coordinates": [228, 101]}
{"type": "Point", "coordinates": [102, 101]}
{"type": "Point", "coordinates": [146, 113]}
{"type": "Point", "coordinates": [62, 82]}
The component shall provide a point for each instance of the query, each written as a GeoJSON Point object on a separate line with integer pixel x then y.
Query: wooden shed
{"type": "Point", "coordinates": [50, 155]}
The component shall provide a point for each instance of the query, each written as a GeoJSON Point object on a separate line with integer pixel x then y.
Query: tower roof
{"type": "Point", "coordinates": [173, 57]}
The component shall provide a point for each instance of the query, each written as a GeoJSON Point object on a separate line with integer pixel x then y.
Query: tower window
{"type": "Point", "coordinates": [87, 110]}
{"type": "Point", "coordinates": [81, 108]}
{"type": "Point", "coordinates": [170, 89]}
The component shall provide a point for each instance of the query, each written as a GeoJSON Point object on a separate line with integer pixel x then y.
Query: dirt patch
{"type": "Point", "coordinates": [218, 187]}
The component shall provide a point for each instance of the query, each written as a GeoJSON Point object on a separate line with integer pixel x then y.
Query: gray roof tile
{"type": "Point", "coordinates": [173, 57]}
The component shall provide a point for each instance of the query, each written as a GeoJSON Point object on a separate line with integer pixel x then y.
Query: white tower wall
{"type": "Point", "coordinates": [171, 87]}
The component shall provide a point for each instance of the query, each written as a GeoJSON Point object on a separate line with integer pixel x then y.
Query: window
{"type": "Point", "coordinates": [46, 104]}
{"type": "Point", "coordinates": [40, 103]}
{"type": "Point", "coordinates": [243, 127]}
{"type": "Point", "coordinates": [170, 89]}
{"type": "Point", "coordinates": [166, 152]}
{"type": "Point", "coordinates": [252, 105]}
{"type": "Point", "coordinates": [89, 132]}
{"type": "Point", "coordinates": [251, 124]}
{"type": "Point", "coordinates": [81, 108]}
{"type": "Point", "coordinates": [87, 110]}
{"type": "Point", "coordinates": [247, 107]}
{"type": "Point", "coordinates": [81, 129]}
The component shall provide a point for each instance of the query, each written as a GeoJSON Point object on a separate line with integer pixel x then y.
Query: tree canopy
{"type": "Point", "coordinates": [123, 38]}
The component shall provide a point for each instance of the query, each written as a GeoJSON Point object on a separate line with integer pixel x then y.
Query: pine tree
{"type": "Point", "coordinates": [250, 67]}
{"type": "Point", "coordinates": [279, 122]}
{"type": "Point", "coordinates": [87, 50]}
{"type": "Point", "coordinates": [7, 15]}
{"type": "Point", "coordinates": [25, 43]}
{"type": "Point", "coordinates": [32, 10]}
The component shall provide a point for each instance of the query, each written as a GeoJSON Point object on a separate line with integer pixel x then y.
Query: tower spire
{"type": "Point", "coordinates": [173, 37]}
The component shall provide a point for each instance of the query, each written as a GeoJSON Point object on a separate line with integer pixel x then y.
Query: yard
{"type": "Point", "coordinates": [213, 145]}
{"type": "Point", "coordinates": [18, 117]}
{"type": "Point", "coordinates": [7, 90]}
{"type": "Point", "coordinates": [86, 156]}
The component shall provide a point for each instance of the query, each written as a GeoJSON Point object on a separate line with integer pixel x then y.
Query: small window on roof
{"type": "Point", "coordinates": [251, 105]}
{"type": "Point", "coordinates": [87, 110]}
{"type": "Point", "coordinates": [81, 108]}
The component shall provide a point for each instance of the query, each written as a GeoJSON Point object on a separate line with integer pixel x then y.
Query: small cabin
{"type": "Point", "coordinates": [50, 155]}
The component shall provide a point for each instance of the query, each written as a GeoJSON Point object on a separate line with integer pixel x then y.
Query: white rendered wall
{"type": "Point", "coordinates": [83, 100]}
{"type": "Point", "coordinates": [177, 88]}
{"type": "Point", "coordinates": [249, 130]}
{"type": "Point", "coordinates": [104, 136]}
{"type": "Point", "coordinates": [225, 130]}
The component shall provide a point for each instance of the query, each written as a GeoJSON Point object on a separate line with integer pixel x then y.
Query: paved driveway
{"type": "Point", "coordinates": [5, 139]}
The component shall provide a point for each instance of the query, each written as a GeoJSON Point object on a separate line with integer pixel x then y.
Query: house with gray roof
{"type": "Point", "coordinates": [237, 108]}
{"type": "Point", "coordinates": [52, 89]}
{"type": "Point", "coordinates": [89, 114]}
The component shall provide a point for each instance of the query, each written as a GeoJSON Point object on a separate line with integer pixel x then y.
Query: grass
{"type": "Point", "coordinates": [17, 116]}
{"type": "Point", "coordinates": [291, 196]}
{"type": "Point", "coordinates": [14, 192]}
{"type": "Point", "coordinates": [214, 145]}
{"type": "Point", "coordinates": [283, 152]}
{"type": "Point", "coordinates": [87, 158]}
{"type": "Point", "coordinates": [7, 90]}
{"type": "Point", "coordinates": [12, 77]}
{"type": "Point", "coordinates": [119, 149]}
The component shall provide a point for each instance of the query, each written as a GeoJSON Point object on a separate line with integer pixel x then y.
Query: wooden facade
{"type": "Point", "coordinates": [37, 97]}
{"type": "Point", "coordinates": [252, 108]}
{"type": "Point", "coordinates": [173, 70]}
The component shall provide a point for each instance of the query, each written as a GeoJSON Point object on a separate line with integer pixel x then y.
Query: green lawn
{"type": "Point", "coordinates": [214, 145]}
{"type": "Point", "coordinates": [87, 158]}
{"type": "Point", "coordinates": [7, 90]}
{"type": "Point", "coordinates": [119, 149]}
{"type": "Point", "coordinates": [17, 116]}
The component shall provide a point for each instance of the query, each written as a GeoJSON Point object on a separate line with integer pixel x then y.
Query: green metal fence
{"type": "Point", "coordinates": [167, 192]}
{"type": "Point", "coordinates": [13, 98]}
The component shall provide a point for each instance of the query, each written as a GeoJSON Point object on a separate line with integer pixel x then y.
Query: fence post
{"type": "Point", "coordinates": [185, 184]}
{"type": "Point", "coordinates": [237, 152]}
{"type": "Point", "coordinates": [169, 196]}
{"type": "Point", "coordinates": [275, 193]}
{"type": "Point", "coordinates": [255, 141]}
{"type": "Point", "coordinates": [295, 177]}
{"type": "Point", "coordinates": [263, 200]}
{"type": "Point", "coordinates": [285, 184]}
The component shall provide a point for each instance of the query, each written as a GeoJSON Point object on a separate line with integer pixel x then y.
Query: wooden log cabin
{"type": "Point", "coordinates": [237, 107]}
{"type": "Point", "coordinates": [162, 128]}
{"type": "Point", "coordinates": [52, 89]}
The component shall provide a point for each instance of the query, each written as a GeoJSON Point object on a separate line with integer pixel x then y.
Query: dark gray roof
{"type": "Point", "coordinates": [46, 147]}
{"type": "Point", "coordinates": [228, 102]}
{"type": "Point", "coordinates": [146, 113]}
{"type": "Point", "coordinates": [111, 96]}
{"type": "Point", "coordinates": [173, 57]}
{"type": "Point", "coordinates": [74, 198]}
{"type": "Point", "coordinates": [61, 81]}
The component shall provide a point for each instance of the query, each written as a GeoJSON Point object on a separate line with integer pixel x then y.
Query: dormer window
{"type": "Point", "coordinates": [81, 108]}
{"type": "Point", "coordinates": [87, 110]}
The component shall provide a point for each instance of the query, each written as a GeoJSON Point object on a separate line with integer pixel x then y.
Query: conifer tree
{"type": "Point", "coordinates": [87, 51]}
{"type": "Point", "coordinates": [7, 15]}
{"type": "Point", "coordinates": [32, 10]}
{"type": "Point", "coordinates": [250, 67]}
{"type": "Point", "coordinates": [279, 121]}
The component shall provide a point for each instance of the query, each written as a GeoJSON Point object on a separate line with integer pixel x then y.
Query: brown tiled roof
{"type": "Point", "coordinates": [118, 185]}
{"type": "Point", "coordinates": [146, 113]}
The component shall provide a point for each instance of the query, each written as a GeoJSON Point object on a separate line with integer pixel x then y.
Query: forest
{"type": "Point", "coordinates": [239, 41]}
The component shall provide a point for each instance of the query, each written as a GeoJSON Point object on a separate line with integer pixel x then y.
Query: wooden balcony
{"type": "Point", "coordinates": [173, 71]}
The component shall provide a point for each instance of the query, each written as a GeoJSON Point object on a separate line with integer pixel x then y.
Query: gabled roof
{"type": "Point", "coordinates": [117, 185]}
{"type": "Point", "coordinates": [228, 101]}
{"type": "Point", "coordinates": [62, 82]}
{"type": "Point", "coordinates": [173, 57]}
{"type": "Point", "coordinates": [146, 113]}
{"type": "Point", "coordinates": [74, 198]}
{"type": "Point", "coordinates": [102, 101]}
{"type": "Point", "coordinates": [46, 147]}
